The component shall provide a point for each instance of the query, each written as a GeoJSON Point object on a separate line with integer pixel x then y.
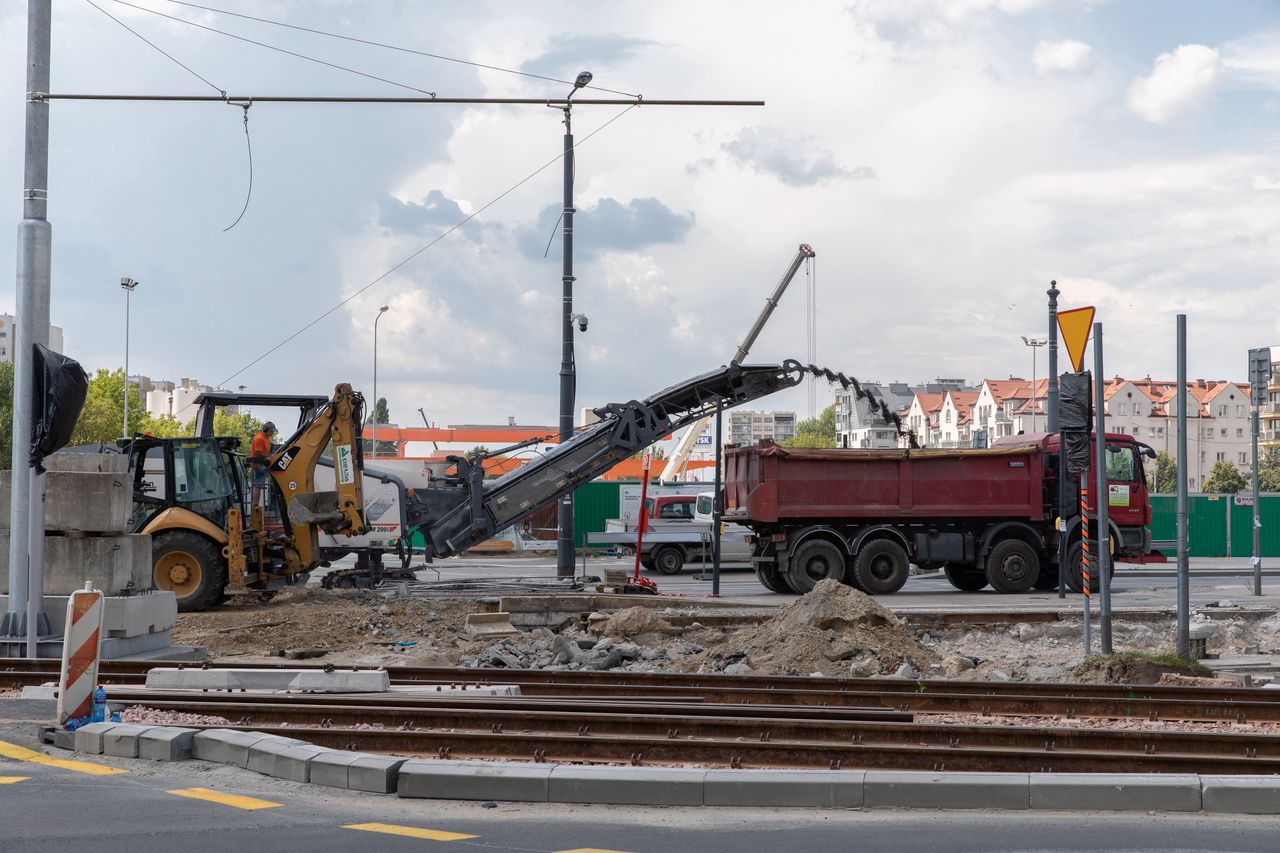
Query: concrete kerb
{"type": "Point", "coordinates": [287, 758]}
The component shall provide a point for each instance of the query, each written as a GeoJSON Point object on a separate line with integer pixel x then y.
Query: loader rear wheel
{"type": "Point", "coordinates": [882, 567]}
{"type": "Point", "coordinates": [191, 566]}
{"type": "Point", "coordinates": [814, 561]}
{"type": "Point", "coordinates": [1013, 566]}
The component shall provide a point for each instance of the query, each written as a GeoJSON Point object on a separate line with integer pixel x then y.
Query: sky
{"type": "Point", "coordinates": [945, 158]}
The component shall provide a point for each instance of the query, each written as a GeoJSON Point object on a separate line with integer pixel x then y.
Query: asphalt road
{"type": "Point", "coordinates": [57, 810]}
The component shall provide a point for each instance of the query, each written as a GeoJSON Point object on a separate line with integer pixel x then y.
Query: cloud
{"type": "Point", "coordinates": [1061, 57]}
{"type": "Point", "coordinates": [914, 22]}
{"type": "Point", "coordinates": [569, 54]}
{"type": "Point", "coordinates": [1254, 59]}
{"type": "Point", "coordinates": [1179, 81]}
{"type": "Point", "coordinates": [609, 225]}
{"type": "Point", "coordinates": [792, 158]}
{"type": "Point", "coordinates": [435, 209]}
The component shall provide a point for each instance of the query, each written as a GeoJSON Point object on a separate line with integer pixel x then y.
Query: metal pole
{"type": "Point", "coordinates": [1033, 389]}
{"type": "Point", "coordinates": [34, 251]}
{"type": "Point", "coordinates": [568, 379]}
{"type": "Point", "coordinates": [128, 291]}
{"type": "Point", "coordinates": [1257, 519]}
{"type": "Point", "coordinates": [373, 451]}
{"type": "Point", "coordinates": [1102, 493]}
{"type": "Point", "coordinates": [1053, 404]}
{"type": "Point", "coordinates": [717, 505]}
{"type": "Point", "coordinates": [1085, 582]}
{"type": "Point", "coordinates": [1184, 583]}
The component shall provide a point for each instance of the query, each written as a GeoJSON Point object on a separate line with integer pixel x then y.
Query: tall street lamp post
{"type": "Point", "coordinates": [128, 285]}
{"type": "Point", "coordinates": [374, 450]}
{"type": "Point", "coordinates": [1034, 343]}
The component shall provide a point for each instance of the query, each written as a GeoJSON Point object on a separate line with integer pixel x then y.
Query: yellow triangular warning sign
{"type": "Point", "coordinates": [1075, 325]}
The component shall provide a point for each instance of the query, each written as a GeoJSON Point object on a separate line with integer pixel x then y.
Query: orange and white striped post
{"type": "Point", "coordinates": [81, 642]}
{"type": "Point", "coordinates": [1084, 562]}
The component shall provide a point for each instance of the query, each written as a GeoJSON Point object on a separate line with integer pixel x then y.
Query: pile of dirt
{"type": "Point", "coordinates": [1135, 668]}
{"type": "Point", "coordinates": [833, 630]}
{"type": "Point", "coordinates": [346, 626]}
{"type": "Point", "coordinates": [1172, 678]}
{"type": "Point", "coordinates": [155, 716]}
{"type": "Point", "coordinates": [633, 622]}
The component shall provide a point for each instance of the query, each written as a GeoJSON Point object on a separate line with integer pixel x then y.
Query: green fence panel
{"type": "Point", "coordinates": [1208, 524]}
{"type": "Point", "coordinates": [593, 504]}
{"type": "Point", "coordinates": [1164, 517]}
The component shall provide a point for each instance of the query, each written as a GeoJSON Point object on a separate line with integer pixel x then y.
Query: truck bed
{"type": "Point", "coordinates": [768, 483]}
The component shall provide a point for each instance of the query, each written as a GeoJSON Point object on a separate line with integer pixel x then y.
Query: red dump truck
{"type": "Point", "coordinates": [985, 516]}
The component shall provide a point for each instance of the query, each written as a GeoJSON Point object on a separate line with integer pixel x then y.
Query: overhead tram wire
{"type": "Point", "coordinates": [384, 45]}
{"type": "Point", "coordinates": [160, 50]}
{"type": "Point", "coordinates": [292, 53]}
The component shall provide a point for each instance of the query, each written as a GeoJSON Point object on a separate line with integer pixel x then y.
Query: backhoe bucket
{"type": "Point", "coordinates": [320, 509]}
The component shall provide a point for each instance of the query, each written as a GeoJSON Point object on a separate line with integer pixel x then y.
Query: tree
{"type": "Point", "coordinates": [102, 418]}
{"type": "Point", "coordinates": [243, 426]}
{"type": "Point", "coordinates": [1269, 470]}
{"type": "Point", "coordinates": [6, 415]}
{"type": "Point", "coordinates": [655, 453]}
{"type": "Point", "coordinates": [381, 415]}
{"type": "Point", "coordinates": [815, 432]}
{"type": "Point", "coordinates": [1225, 479]}
{"type": "Point", "coordinates": [1164, 478]}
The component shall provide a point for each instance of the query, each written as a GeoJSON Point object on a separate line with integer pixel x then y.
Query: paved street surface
{"type": "Point", "coordinates": [197, 808]}
{"type": "Point", "coordinates": [1136, 586]}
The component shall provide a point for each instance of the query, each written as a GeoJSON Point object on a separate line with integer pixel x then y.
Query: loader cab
{"type": "Point", "coordinates": [200, 474]}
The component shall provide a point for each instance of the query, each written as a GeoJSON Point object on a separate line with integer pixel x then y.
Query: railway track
{"type": "Point", "coordinates": [751, 721]}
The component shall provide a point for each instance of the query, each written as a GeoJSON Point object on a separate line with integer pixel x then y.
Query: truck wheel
{"type": "Point", "coordinates": [646, 563]}
{"type": "Point", "coordinates": [1075, 579]}
{"type": "Point", "coordinates": [668, 560]}
{"type": "Point", "coordinates": [966, 578]}
{"type": "Point", "coordinates": [191, 566]}
{"type": "Point", "coordinates": [815, 560]}
{"type": "Point", "coordinates": [881, 567]}
{"type": "Point", "coordinates": [1013, 566]}
{"type": "Point", "coordinates": [772, 579]}
{"type": "Point", "coordinates": [1048, 579]}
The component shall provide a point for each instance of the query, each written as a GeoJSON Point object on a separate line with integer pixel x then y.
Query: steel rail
{"type": "Point", "coordinates": [728, 722]}
{"type": "Point", "coordinates": [541, 747]}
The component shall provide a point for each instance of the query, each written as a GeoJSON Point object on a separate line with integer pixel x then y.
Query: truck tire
{"type": "Point", "coordinates": [191, 566]}
{"type": "Point", "coordinates": [881, 567]}
{"type": "Point", "coordinates": [966, 578]}
{"type": "Point", "coordinates": [646, 563]}
{"type": "Point", "coordinates": [1048, 579]}
{"type": "Point", "coordinates": [1013, 566]}
{"type": "Point", "coordinates": [1075, 580]}
{"type": "Point", "coordinates": [815, 560]}
{"type": "Point", "coordinates": [668, 559]}
{"type": "Point", "coordinates": [772, 579]}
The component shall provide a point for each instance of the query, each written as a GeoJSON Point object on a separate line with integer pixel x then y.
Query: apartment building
{"type": "Point", "coordinates": [857, 426]}
{"type": "Point", "coordinates": [747, 427]}
{"type": "Point", "coordinates": [8, 329]}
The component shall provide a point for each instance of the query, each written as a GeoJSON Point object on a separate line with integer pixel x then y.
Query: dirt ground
{"type": "Point", "coordinates": [835, 630]}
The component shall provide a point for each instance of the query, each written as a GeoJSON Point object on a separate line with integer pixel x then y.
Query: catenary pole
{"type": "Point", "coordinates": [35, 253]}
{"type": "Point", "coordinates": [1054, 402]}
{"type": "Point", "coordinates": [568, 372]}
{"type": "Point", "coordinates": [1101, 495]}
{"type": "Point", "coordinates": [1184, 572]}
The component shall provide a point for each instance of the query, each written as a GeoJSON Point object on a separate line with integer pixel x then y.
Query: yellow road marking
{"type": "Point", "coordinates": [409, 831]}
{"type": "Point", "coordinates": [233, 800]}
{"type": "Point", "coordinates": [21, 753]}
{"type": "Point", "coordinates": [9, 780]}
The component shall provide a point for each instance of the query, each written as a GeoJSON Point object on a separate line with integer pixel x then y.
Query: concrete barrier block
{"type": "Point", "coordinates": [474, 780]}
{"type": "Point", "coordinates": [122, 740]}
{"type": "Point", "coordinates": [918, 789]}
{"type": "Point", "coordinates": [376, 774]}
{"type": "Point", "coordinates": [1140, 792]}
{"type": "Point", "coordinates": [224, 746]}
{"type": "Point", "coordinates": [283, 758]}
{"type": "Point", "coordinates": [315, 680]}
{"type": "Point", "coordinates": [772, 788]}
{"type": "Point", "coordinates": [110, 462]}
{"type": "Point", "coordinates": [79, 502]}
{"type": "Point", "coordinates": [165, 743]}
{"type": "Point", "coordinates": [626, 785]}
{"type": "Point", "coordinates": [1241, 794]}
{"type": "Point", "coordinates": [88, 738]}
{"type": "Point", "coordinates": [329, 768]}
{"type": "Point", "coordinates": [114, 564]}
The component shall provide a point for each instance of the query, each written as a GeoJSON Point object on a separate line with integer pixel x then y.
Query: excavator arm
{"type": "Point", "coordinates": [336, 423]}
{"type": "Point", "coordinates": [465, 509]}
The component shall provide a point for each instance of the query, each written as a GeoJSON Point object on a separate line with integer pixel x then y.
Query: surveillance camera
{"type": "Point", "coordinates": [582, 322]}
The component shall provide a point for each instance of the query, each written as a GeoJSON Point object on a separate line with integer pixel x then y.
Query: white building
{"type": "Point", "coordinates": [747, 427]}
{"type": "Point", "coordinates": [163, 398]}
{"type": "Point", "coordinates": [8, 326]}
{"type": "Point", "coordinates": [856, 426]}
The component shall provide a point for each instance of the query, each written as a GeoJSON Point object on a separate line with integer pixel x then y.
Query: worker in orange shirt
{"type": "Point", "coordinates": [259, 455]}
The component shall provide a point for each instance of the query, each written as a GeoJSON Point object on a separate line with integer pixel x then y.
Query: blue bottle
{"type": "Point", "coordinates": [99, 714]}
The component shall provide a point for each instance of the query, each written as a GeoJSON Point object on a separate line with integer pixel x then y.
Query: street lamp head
{"type": "Point", "coordinates": [584, 78]}
{"type": "Point", "coordinates": [383, 309]}
{"type": "Point", "coordinates": [128, 283]}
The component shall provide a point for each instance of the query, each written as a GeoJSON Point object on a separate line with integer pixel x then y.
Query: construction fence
{"type": "Point", "coordinates": [1218, 525]}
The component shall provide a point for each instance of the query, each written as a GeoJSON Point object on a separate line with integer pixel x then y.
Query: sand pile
{"type": "Point", "coordinates": [834, 630]}
{"type": "Point", "coordinates": [632, 622]}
